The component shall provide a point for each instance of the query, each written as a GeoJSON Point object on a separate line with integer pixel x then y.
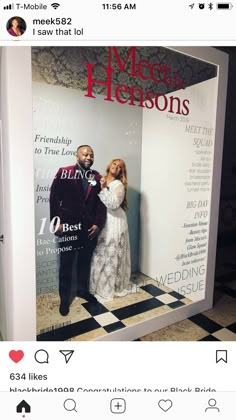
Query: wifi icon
{"type": "Point", "coordinates": [55, 5]}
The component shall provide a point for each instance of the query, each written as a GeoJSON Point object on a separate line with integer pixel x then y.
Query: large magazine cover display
{"type": "Point", "coordinates": [123, 154]}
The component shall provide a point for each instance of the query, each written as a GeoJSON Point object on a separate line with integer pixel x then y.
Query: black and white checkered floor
{"type": "Point", "coordinates": [88, 321]}
{"type": "Point", "coordinates": [216, 324]}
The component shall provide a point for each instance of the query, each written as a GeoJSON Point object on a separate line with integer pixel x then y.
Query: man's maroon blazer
{"type": "Point", "coordinates": [71, 204]}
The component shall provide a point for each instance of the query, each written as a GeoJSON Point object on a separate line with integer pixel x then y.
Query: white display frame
{"type": "Point", "coordinates": [19, 274]}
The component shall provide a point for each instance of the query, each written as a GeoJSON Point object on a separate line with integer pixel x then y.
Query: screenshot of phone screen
{"type": "Point", "coordinates": [117, 209]}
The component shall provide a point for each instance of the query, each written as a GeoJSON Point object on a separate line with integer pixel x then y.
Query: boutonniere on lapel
{"type": "Point", "coordinates": [92, 181]}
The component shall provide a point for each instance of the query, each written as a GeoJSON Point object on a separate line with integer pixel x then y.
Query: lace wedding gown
{"type": "Point", "coordinates": [110, 265]}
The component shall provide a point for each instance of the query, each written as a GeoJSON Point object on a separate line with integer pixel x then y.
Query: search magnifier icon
{"type": "Point", "coordinates": [70, 405]}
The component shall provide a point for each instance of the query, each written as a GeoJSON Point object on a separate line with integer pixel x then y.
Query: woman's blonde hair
{"type": "Point", "coordinates": [122, 177]}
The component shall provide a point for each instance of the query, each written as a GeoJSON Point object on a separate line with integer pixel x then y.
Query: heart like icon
{"type": "Point", "coordinates": [16, 355]}
{"type": "Point", "coordinates": [165, 405]}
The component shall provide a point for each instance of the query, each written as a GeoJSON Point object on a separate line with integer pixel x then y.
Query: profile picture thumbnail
{"type": "Point", "coordinates": [16, 26]}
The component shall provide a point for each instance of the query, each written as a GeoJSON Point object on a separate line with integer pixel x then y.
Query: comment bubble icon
{"type": "Point", "coordinates": [41, 356]}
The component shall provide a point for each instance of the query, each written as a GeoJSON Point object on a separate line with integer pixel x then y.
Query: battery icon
{"type": "Point", "coordinates": [224, 6]}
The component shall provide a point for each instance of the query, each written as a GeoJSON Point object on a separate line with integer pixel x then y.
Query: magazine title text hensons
{"type": "Point", "coordinates": [143, 70]}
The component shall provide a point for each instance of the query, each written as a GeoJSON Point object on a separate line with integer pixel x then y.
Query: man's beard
{"type": "Point", "coordinates": [85, 167]}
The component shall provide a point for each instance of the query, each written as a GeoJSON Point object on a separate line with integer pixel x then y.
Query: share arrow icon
{"type": "Point", "coordinates": [67, 354]}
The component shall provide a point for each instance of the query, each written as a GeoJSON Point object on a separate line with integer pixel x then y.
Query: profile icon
{"type": "Point", "coordinates": [212, 406]}
{"type": "Point", "coordinates": [16, 26]}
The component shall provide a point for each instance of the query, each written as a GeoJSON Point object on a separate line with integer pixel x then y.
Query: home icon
{"type": "Point", "coordinates": [23, 406]}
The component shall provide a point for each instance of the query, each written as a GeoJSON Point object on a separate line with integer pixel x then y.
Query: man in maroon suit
{"type": "Point", "coordinates": [74, 200]}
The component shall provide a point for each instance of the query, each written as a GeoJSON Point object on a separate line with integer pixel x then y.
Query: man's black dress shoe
{"type": "Point", "coordinates": [64, 308]}
{"type": "Point", "coordinates": [87, 296]}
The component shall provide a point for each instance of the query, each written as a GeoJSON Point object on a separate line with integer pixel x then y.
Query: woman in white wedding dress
{"type": "Point", "coordinates": [110, 266]}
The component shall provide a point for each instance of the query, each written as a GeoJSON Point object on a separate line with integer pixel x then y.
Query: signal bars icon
{"type": "Point", "coordinates": [9, 7]}
{"type": "Point", "coordinates": [55, 5]}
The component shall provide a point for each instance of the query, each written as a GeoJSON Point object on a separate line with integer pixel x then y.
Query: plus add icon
{"type": "Point", "coordinates": [118, 405]}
